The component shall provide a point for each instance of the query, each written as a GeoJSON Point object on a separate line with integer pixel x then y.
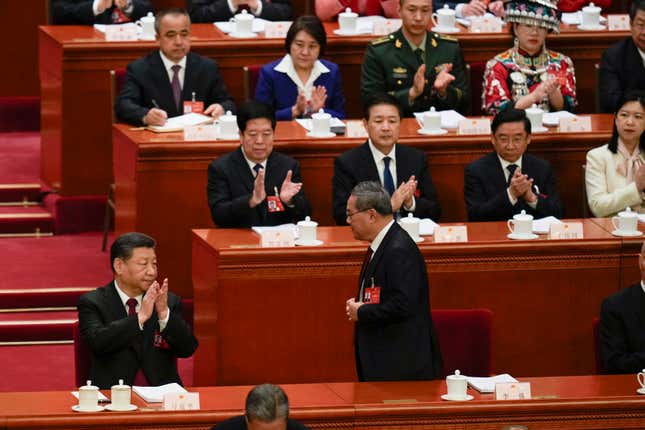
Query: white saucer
{"type": "Point", "coordinates": [340, 32]}
{"type": "Point", "coordinates": [522, 236]}
{"type": "Point", "coordinates": [591, 27]}
{"type": "Point", "coordinates": [539, 130]}
{"type": "Point", "coordinates": [314, 243]}
{"type": "Point", "coordinates": [243, 35]}
{"type": "Point", "coordinates": [438, 29]}
{"type": "Point", "coordinates": [641, 390]}
{"type": "Point", "coordinates": [129, 408]}
{"type": "Point", "coordinates": [76, 408]}
{"type": "Point", "coordinates": [620, 233]}
{"type": "Point", "coordinates": [457, 399]}
{"type": "Point", "coordinates": [432, 132]}
{"type": "Point", "coordinates": [320, 136]}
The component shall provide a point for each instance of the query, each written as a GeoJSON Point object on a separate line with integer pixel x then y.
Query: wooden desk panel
{"type": "Point", "coordinates": [543, 295]}
{"type": "Point", "coordinates": [161, 180]}
{"type": "Point", "coordinates": [75, 61]}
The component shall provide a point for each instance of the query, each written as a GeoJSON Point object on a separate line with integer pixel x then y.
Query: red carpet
{"type": "Point", "coordinates": [19, 157]}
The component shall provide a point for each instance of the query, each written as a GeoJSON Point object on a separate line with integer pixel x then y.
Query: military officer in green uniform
{"type": "Point", "coordinates": [418, 67]}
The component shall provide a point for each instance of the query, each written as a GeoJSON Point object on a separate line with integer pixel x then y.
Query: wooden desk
{"type": "Point", "coordinates": [286, 304]}
{"type": "Point", "coordinates": [161, 179]}
{"type": "Point", "coordinates": [75, 88]}
{"type": "Point", "coordinates": [573, 402]}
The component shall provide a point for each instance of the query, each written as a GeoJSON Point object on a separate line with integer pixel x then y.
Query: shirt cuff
{"type": "Point", "coordinates": [95, 8]}
{"type": "Point", "coordinates": [533, 205]}
{"type": "Point", "coordinates": [458, 9]}
{"type": "Point", "coordinates": [232, 8]}
{"type": "Point", "coordinates": [259, 9]}
{"type": "Point", "coordinates": [412, 207]}
{"type": "Point", "coordinates": [512, 199]}
{"type": "Point", "coordinates": [129, 8]}
{"type": "Point", "coordinates": [164, 322]}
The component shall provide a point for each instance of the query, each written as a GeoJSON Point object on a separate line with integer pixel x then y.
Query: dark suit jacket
{"type": "Point", "coordinates": [218, 10]}
{"type": "Point", "coordinates": [119, 348]}
{"type": "Point", "coordinates": [622, 330]}
{"type": "Point", "coordinates": [147, 80]}
{"type": "Point", "coordinates": [486, 196]}
{"type": "Point", "coordinates": [230, 186]}
{"type": "Point", "coordinates": [80, 12]}
{"type": "Point", "coordinates": [357, 165]}
{"type": "Point", "coordinates": [395, 340]}
{"type": "Point", "coordinates": [278, 90]}
{"type": "Point", "coordinates": [239, 423]}
{"type": "Point", "coordinates": [621, 70]}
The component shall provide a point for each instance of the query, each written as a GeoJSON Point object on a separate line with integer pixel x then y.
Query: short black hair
{"type": "Point", "coordinates": [380, 99]}
{"type": "Point", "coordinates": [630, 96]}
{"type": "Point", "coordinates": [635, 7]}
{"type": "Point", "coordinates": [311, 25]}
{"type": "Point", "coordinates": [169, 11]}
{"type": "Point", "coordinates": [511, 115]}
{"type": "Point", "coordinates": [124, 245]}
{"type": "Point", "coordinates": [253, 109]}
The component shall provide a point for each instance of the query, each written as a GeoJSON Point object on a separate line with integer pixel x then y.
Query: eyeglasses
{"type": "Point", "coordinates": [351, 214]}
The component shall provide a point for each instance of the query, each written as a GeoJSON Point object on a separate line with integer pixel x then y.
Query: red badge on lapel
{"type": "Point", "coordinates": [160, 342]}
{"type": "Point", "coordinates": [417, 193]}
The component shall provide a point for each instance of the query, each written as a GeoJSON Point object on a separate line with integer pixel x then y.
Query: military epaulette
{"type": "Point", "coordinates": [382, 40]}
{"type": "Point", "coordinates": [448, 38]}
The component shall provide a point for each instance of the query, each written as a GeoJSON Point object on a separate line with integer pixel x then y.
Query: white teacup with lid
{"type": "Point", "coordinates": [590, 16]}
{"type": "Point", "coordinates": [521, 224]}
{"type": "Point", "coordinates": [626, 222]}
{"type": "Point", "coordinates": [534, 114]}
{"type": "Point", "coordinates": [320, 123]}
{"type": "Point", "coordinates": [147, 24]}
{"type": "Point", "coordinates": [228, 126]}
{"type": "Point", "coordinates": [457, 386]}
{"type": "Point", "coordinates": [88, 397]}
{"type": "Point", "coordinates": [120, 396]}
{"type": "Point", "coordinates": [348, 21]}
{"type": "Point", "coordinates": [243, 23]}
{"type": "Point", "coordinates": [307, 231]}
{"type": "Point", "coordinates": [432, 121]}
{"type": "Point", "coordinates": [411, 225]}
{"type": "Point", "coordinates": [444, 18]}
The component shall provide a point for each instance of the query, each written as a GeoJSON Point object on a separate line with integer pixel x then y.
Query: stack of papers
{"type": "Point", "coordinates": [177, 123]}
{"type": "Point", "coordinates": [289, 226]}
{"type": "Point", "coordinates": [155, 394]}
{"type": "Point", "coordinates": [449, 118]}
{"type": "Point", "coordinates": [575, 18]}
{"type": "Point", "coordinates": [542, 225]}
{"type": "Point", "coordinates": [307, 124]}
{"type": "Point", "coordinates": [257, 26]}
{"type": "Point", "coordinates": [553, 118]}
{"type": "Point", "coordinates": [487, 385]}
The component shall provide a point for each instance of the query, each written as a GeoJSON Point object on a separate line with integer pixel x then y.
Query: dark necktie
{"type": "Point", "coordinates": [388, 182]}
{"type": "Point", "coordinates": [419, 54]}
{"type": "Point", "coordinates": [257, 169]}
{"type": "Point", "coordinates": [366, 262]}
{"type": "Point", "coordinates": [176, 87]}
{"type": "Point", "coordinates": [132, 307]}
{"type": "Point", "coordinates": [511, 170]}
{"type": "Point", "coordinates": [139, 379]}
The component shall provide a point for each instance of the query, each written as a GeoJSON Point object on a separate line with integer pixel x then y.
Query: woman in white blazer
{"type": "Point", "coordinates": [615, 173]}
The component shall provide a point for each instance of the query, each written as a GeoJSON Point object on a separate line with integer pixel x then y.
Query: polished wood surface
{"type": "Point", "coordinates": [571, 402]}
{"type": "Point", "coordinates": [146, 163]}
{"type": "Point", "coordinates": [543, 295]}
{"type": "Point", "coordinates": [74, 71]}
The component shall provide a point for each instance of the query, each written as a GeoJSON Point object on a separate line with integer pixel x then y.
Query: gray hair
{"type": "Point", "coordinates": [266, 403]}
{"type": "Point", "coordinates": [371, 195]}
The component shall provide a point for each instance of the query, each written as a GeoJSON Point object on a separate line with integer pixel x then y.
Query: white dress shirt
{"type": "Point", "coordinates": [124, 298]}
{"type": "Point", "coordinates": [167, 63]}
{"type": "Point", "coordinates": [518, 163]}
{"type": "Point", "coordinates": [380, 166]}
{"type": "Point", "coordinates": [286, 66]}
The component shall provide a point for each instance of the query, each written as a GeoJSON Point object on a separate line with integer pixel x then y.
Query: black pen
{"type": "Point", "coordinates": [154, 102]}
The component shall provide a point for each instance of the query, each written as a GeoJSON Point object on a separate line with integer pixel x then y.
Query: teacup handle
{"type": "Point", "coordinates": [434, 19]}
{"type": "Point", "coordinates": [641, 378]}
{"type": "Point", "coordinates": [510, 223]}
{"type": "Point", "coordinates": [232, 19]}
{"type": "Point", "coordinates": [614, 219]}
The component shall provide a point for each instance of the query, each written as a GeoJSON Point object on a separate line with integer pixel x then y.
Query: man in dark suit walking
{"type": "Point", "coordinates": [394, 338]}
{"type": "Point", "coordinates": [133, 326]}
{"type": "Point", "coordinates": [382, 159]}
{"type": "Point", "coordinates": [254, 185]}
{"type": "Point", "coordinates": [508, 180]}
{"type": "Point", "coordinates": [622, 327]}
{"type": "Point", "coordinates": [623, 64]}
{"type": "Point", "coordinates": [157, 85]}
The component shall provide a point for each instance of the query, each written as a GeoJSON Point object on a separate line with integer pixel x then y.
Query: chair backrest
{"type": "Point", "coordinates": [465, 339]}
{"type": "Point", "coordinates": [476, 76]}
{"type": "Point", "coordinates": [82, 357]}
{"type": "Point", "coordinates": [117, 80]}
{"type": "Point", "coordinates": [600, 365]}
{"type": "Point", "coordinates": [251, 75]}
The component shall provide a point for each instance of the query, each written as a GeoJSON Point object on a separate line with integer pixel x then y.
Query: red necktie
{"type": "Point", "coordinates": [139, 378]}
{"type": "Point", "coordinates": [132, 307]}
{"type": "Point", "coordinates": [176, 87]}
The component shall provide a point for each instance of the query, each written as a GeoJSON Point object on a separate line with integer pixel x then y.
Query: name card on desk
{"type": "Point", "coordinates": [566, 230]}
{"type": "Point", "coordinates": [485, 24]}
{"type": "Point", "coordinates": [120, 33]}
{"type": "Point", "coordinates": [513, 391]}
{"type": "Point", "coordinates": [181, 402]}
{"type": "Point", "coordinates": [201, 132]}
{"type": "Point", "coordinates": [276, 29]}
{"type": "Point", "coordinates": [355, 128]}
{"type": "Point", "coordinates": [474, 126]}
{"type": "Point", "coordinates": [386, 26]}
{"type": "Point", "coordinates": [574, 124]}
{"type": "Point", "coordinates": [618, 22]}
{"type": "Point", "coordinates": [277, 238]}
{"type": "Point", "coordinates": [456, 233]}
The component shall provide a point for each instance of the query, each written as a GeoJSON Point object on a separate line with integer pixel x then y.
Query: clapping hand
{"type": "Point", "coordinates": [289, 189]}
{"type": "Point", "coordinates": [443, 79]}
{"type": "Point", "coordinates": [259, 193]}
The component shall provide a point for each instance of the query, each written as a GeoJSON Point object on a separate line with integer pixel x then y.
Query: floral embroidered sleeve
{"type": "Point", "coordinates": [496, 94]}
